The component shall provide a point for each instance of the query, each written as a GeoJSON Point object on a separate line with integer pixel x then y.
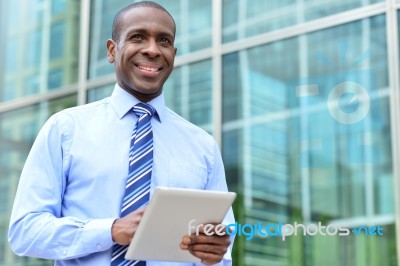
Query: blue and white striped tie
{"type": "Point", "coordinates": [137, 190]}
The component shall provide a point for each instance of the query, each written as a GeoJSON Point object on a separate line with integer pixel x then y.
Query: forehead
{"type": "Point", "coordinates": [147, 18]}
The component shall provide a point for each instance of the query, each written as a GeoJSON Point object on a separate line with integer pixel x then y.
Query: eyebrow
{"type": "Point", "coordinates": [145, 31]}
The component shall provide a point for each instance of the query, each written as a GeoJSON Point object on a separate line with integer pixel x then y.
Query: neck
{"type": "Point", "coordinates": [143, 97]}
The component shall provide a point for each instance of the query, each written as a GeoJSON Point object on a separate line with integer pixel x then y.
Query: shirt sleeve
{"type": "Point", "coordinates": [37, 226]}
{"type": "Point", "coordinates": [217, 181]}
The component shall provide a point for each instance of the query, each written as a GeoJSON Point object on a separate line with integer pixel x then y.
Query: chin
{"type": "Point", "coordinates": [147, 91]}
{"type": "Point", "coordinates": [150, 92]}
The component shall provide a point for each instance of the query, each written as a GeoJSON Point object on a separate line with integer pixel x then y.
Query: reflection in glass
{"type": "Point", "coordinates": [57, 36]}
{"type": "Point", "coordinates": [40, 38]}
{"type": "Point", "coordinates": [99, 93]}
{"type": "Point", "coordinates": [10, 61]}
{"type": "Point", "coordinates": [55, 79]}
{"type": "Point", "coordinates": [310, 116]}
{"type": "Point", "coordinates": [18, 130]}
{"type": "Point", "coordinates": [58, 6]}
{"type": "Point", "coordinates": [32, 84]}
{"type": "Point", "coordinates": [189, 93]}
{"type": "Point", "coordinates": [243, 19]}
{"type": "Point", "coordinates": [9, 91]}
{"type": "Point", "coordinates": [194, 20]}
{"type": "Point", "coordinates": [33, 55]}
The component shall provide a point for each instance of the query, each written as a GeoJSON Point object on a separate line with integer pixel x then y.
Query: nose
{"type": "Point", "coordinates": [152, 49]}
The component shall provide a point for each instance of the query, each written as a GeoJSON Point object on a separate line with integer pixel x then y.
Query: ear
{"type": "Point", "coordinates": [111, 45]}
{"type": "Point", "coordinates": [176, 50]}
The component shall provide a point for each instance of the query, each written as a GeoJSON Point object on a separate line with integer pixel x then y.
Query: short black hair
{"type": "Point", "coordinates": [117, 23]}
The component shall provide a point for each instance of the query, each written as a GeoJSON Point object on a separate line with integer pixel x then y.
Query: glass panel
{"type": "Point", "coordinates": [58, 6]}
{"type": "Point", "coordinates": [33, 53]}
{"type": "Point", "coordinates": [18, 130]}
{"type": "Point", "coordinates": [305, 139]}
{"type": "Point", "coordinates": [33, 10]}
{"type": "Point", "coordinates": [9, 91]}
{"type": "Point", "coordinates": [193, 20]}
{"type": "Point", "coordinates": [10, 61]}
{"type": "Point", "coordinates": [31, 84]}
{"type": "Point", "coordinates": [41, 39]}
{"type": "Point", "coordinates": [99, 93]}
{"type": "Point", "coordinates": [3, 195]}
{"type": "Point", "coordinates": [189, 93]}
{"type": "Point", "coordinates": [57, 36]}
{"type": "Point", "coordinates": [55, 78]}
{"type": "Point", "coordinates": [2, 245]}
{"type": "Point", "coordinates": [243, 19]}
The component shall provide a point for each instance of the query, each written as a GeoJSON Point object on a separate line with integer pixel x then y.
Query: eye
{"type": "Point", "coordinates": [165, 41]}
{"type": "Point", "coordinates": [136, 37]}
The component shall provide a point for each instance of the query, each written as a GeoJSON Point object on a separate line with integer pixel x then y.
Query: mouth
{"type": "Point", "coordinates": [149, 70]}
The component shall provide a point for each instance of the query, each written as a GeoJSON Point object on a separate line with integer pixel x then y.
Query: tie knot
{"type": "Point", "coordinates": [142, 109]}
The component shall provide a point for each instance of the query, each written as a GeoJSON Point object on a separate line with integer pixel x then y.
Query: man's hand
{"type": "Point", "coordinates": [123, 229]}
{"type": "Point", "coordinates": [210, 249]}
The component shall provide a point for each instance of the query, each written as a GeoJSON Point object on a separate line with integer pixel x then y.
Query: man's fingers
{"type": "Point", "coordinates": [186, 240]}
{"type": "Point", "coordinates": [214, 240]}
{"type": "Point", "coordinates": [218, 250]}
{"type": "Point", "coordinates": [207, 258]}
{"type": "Point", "coordinates": [135, 216]}
{"type": "Point", "coordinates": [183, 246]}
{"type": "Point", "coordinates": [209, 245]}
{"type": "Point", "coordinates": [140, 211]}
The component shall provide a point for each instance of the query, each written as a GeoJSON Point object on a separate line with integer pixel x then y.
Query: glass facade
{"type": "Point", "coordinates": [298, 93]}
{"type": "Point", "coordinates": [41, 47]}
{"type": "Point", "coordinates": [189, 92]}
{"type": "Point", "coordinates": [309, 146]}
{"type": "Point", "coordinates": [242, 18]}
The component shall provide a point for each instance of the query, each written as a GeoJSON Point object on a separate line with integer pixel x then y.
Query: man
{"type": "Point", "coordinates": [75, 179]}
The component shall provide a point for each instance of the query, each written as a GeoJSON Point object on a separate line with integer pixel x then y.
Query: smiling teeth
{"type": "Point", "coordinates": [148, 68]}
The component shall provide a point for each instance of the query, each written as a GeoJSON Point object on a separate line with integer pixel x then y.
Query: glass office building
{"type": "Point", "coordinates": [303, 97]}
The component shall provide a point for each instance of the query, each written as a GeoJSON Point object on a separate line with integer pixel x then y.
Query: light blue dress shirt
{"type": "Point", "coordinates": [73, 181]}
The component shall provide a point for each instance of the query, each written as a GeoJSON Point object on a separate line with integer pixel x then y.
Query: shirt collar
{"type": "Point", "coordinates": [123, 102]}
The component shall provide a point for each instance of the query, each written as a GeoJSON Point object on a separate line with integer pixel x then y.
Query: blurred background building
{"type": "Point", "coordinates": [302, 96]}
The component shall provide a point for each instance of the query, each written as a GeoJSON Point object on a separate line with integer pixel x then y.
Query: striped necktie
{"type": "Point", "coordinates": [137, 190]}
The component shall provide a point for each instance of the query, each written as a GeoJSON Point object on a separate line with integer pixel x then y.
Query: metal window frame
{"type": "Point", "coordinates": [217, 70]}
{"type": "Point", "coordinates": [394, 85]}
{"type": "Point", "coordinates": [84, 50]}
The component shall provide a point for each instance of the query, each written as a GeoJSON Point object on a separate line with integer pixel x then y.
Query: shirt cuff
{"type": "Point", "coordinates": [98, 236]}
{"type": "Point", "coordinates": [227, 259]}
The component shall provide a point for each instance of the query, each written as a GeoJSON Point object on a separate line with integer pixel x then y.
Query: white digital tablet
{"type": "Point", "coordinates": [166, 220]}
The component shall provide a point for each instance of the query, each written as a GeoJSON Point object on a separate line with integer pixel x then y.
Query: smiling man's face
{"type": "Point", "coordinates": [144, 54]}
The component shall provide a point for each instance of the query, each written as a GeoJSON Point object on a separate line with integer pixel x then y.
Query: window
{"type": "Point", "coordinates": [32, 85]}
{"type": "Point", "coordinates": [310, 121]}
{"type": "Point", "coordinates": [57, 40]}
{"type": "Point", "coordinates": [58, 6]}
{"type": "Point", "coordinates": [33, 49]}
{"type": "Point", "coordinates": [55, 79]}
{"type": "Point", "coordinates": [243, 19]}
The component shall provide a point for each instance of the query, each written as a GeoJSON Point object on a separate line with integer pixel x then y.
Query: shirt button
{"type": "Point", "coordinates": [99, 246]}
{"type": "Point", "coordinates": [65, 252]}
